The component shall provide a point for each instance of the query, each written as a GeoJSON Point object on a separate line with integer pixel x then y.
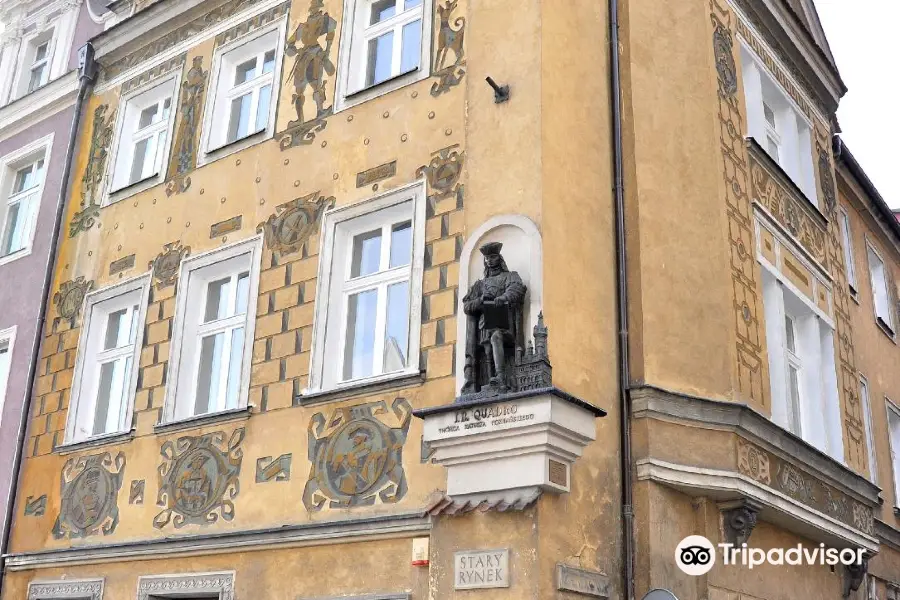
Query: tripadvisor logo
{"type": "Point", "coordinates": [696, 555]}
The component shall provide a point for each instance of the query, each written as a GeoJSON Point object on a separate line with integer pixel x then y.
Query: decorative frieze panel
{"type": "Point", "coordinates": [85, 589]}
{"type": "Point", "coordinates": [450, 38]}
{"type": "Point", "coordinates": [173, 64]}
{"type": "Point", "coordinates": [794, 213]}
{"type": "Point", "coordinates": [198, 479]}
{"type": "Point", "coordinates": [205, 585]}
{"type": "Point", "coordinates": [782, 476]}
{"type": "Point", "coordinates": [443, 174]}
{"type": "Point", "coordinates": [751, 371]}
{"type": "Point", "coordinates": [183, 159]}
{"type": "Point", "coordinates": [260, 20]}
{"type": "Point", "coordinates": [101, 138]}
{"type": "Point", "coordinates": [357, 455]}
{"type": "Point", "coordinates": [89, 488]}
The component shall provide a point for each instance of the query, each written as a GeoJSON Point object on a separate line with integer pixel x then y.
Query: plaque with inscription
{"type": "Point", "coordinates": [581, 582]}
{"type": "Point", "coordinates": [478, 569]}
{"type": "Point", "coordinates": [558, 473]}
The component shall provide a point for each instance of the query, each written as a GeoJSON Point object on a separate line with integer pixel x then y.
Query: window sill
{"type": "Point", "coordinates": [394, 381]}
{"type": "Point", "coordinates": [4, 260]}
{"type": "Point", "coordinates": [230, 148]}
{"type": "Point", "coordinates": [234, 414]}
{"type": "Point", "coordinates": [375, 87]}
{"type": "Point", "coordinates": [761, 155]}
{"type": "Point", "coordinates": [885, 328]}
{"type": "Point", "coordinates": [854, 295]}
{"type": "Point", "coordinates": [121, 193]}
{"type": "Point", "coordinates": [381, 88]}
{"type": "Point", "coordinates": [96, 442]}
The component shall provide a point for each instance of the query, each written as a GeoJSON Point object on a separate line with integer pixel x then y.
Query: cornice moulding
{"type": "Point", "coordinates": [25, 112]}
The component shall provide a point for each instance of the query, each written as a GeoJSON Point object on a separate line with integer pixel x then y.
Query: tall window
{"type": "Point", "coordinates": [7, 337]}
{"type": "Point", "coordinates": [213, 324]}
{"type": "Point", "coordinates": [848, 249]}
{"type": "Point", "coordinates": [244, 89]}
{"type": "Point", "coordinates": [867, 421]}
{"type": "Point", "coordinates": [21, 207]}
{"type": "Point", "coordinates": [385, 45]}
{"type": "Point", "coordinates": [800, 341]}
{"type": "Point", "coordinates": [369, 330]}
{"type": "Point", "coordinates": [893, 414]}
{"type": "Point", "coordinates": [39, 71]}
{"type": "Point", "coordinates": [144, 136]}
{"type": "Point", "coordinates": [777, 125]}
{"type": "Point", "coordinates": [881, 294]}
{"type": "Point", "coordinates": [108, 351]}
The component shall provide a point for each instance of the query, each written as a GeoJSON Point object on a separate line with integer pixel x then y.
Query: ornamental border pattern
{"type": "Point", "coordinates": [176, 586]}
{"type": "Point", "coordinates": [84, 589]}
{"type": "Point", "coordinates": [751, 367]}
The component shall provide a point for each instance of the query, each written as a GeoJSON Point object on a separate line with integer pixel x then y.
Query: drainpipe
{"type": "Point", "coordinates": [628, 550]}
{"type": "Point", "coordinates": [87, 70]}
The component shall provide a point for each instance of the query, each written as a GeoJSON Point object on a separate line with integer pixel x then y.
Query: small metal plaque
{"type": "Point", "coordinates": [121, 264]}
{"type": "Point", "coordinates": [558, 474]}
{"type": "Point", "coordinates": [374, 174]}
{"type": "Point", "coordinates": [478, 569]}
{"type": "Point", "coordinates": [582, 582]}
{"type": "Point", "coordinates": [223, 227]}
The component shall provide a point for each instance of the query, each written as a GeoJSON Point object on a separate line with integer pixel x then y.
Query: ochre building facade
{"type": "Point", "coordinates": [276, 214]}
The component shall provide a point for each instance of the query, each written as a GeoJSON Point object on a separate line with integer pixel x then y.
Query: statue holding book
{"type": "Point", "coordinates": [494, 336]}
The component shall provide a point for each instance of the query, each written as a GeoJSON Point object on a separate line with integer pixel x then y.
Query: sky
{"type": "Point", "coordinates": [863, 38]}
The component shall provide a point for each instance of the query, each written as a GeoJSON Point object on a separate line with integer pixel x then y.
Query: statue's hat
{"type": "Point", "coordinates": [491, 248]}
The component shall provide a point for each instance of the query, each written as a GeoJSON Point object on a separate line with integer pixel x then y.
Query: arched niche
{"type": "Point", "coordinates": [523, 253]}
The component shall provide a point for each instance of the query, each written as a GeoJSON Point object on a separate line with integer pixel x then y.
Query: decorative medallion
{"type": "Point", "coordinates": [442, 175]}
{"type": "Point", "coordinates": [278, 469]}
{"type": "Point", "coordinates": [167, 263]}
{"type": "Point", "coordinates": [312, 62]}
{"type": "Point", "coordinates": [723, 46]}
{"type": "Point", "coordinates": [101, 138]}
{"type": "Point", "coordinates": [753, 462]}
{"type": "Point", "coordinates": [356, 455]}
{"type": "Point", "coordinates": [294, 222]}
{"type": "Point", "coordinates": [198, 479]}
{"type": "Point", "coordinates": [70, 297]}
{"type": "Point", "coordinates": [183, 159]}
{"type": "Point", "coordinates": [35, 507]}
{"type": "Point", "coordinates": [826, 179]}
{"type": "Point", "coordinates": [89, 488]}
{"type": "Point", "coordinates": [449, 40]}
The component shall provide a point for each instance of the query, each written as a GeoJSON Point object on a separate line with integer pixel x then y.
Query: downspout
{"type": "Point", "coordinates": [87, 70]}
{"type": "Point", "coordinates": [622, 304]}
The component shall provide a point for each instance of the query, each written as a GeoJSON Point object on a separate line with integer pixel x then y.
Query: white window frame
{"type": "Point", "coordinates": [793, 131]}
{"type": "Point", "coordinates": [7, 336]}
{"type": "Point", "coordinates": [175, 391]}
{"type": "Point", "coordinates": [122, 150]}
{"type": "Point", "coordinates": [894, 444]}
{"type": "Point", "coordinates": [847, 236]}
{"type": "Point", "coordinates": [217, 106]}
{"type": "Point", "coordinates": [866, 402]}
{"type": "Point", "coordinates": [820, 422]}
{"type": "Point", "coordinates": [140, 284]}
{"type": "Point", "coordinates": [9, 166]}
{"type": "Point", "coordinates": [319, 380]}
{"type": "Point", "coordinates": [350, 89]}
{"type": "Point", "coordinates": [883, 314]}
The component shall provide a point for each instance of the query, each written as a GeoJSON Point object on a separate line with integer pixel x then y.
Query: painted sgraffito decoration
{"type": "Point", "coordinates": [35, 507]}
{"type": "Point", "coordinates": [312, 61]}
{"type": "Point", "coordinates": [294, 222]}
{"type": "Point", "coordinates": [357, 455]}
{"type": "Point", "coordinates": [101, 137]}
{"type": "Point", "coordinates": [184, 151]}
{"type": "Point", "coordinates": [198, 479]}
{"type": "Point", "coordinates": [451, 38]}
{"type": "Point", "coordinates": [70, 297]}
{"type": "Point", "coordinates": [89, 489]}
{"type": "Point", "coordinates": [167, 263]}
{"type": "Point", "coordinates": [443, 173]}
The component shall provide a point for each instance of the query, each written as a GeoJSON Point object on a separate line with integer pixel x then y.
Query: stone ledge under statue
{"type": "Point", "coordinates": [508, 421]}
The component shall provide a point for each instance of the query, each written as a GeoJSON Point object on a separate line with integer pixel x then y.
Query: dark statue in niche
{"type": "Point", "coordinates": [497, 360]}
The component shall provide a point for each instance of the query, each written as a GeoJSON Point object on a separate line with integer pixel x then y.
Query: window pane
{"type": "Point", "coordinates": [772, 147]}
{"type": "Point", "coordinates": [262, 107]}
{"type": "Point", "coordinates": [359, 350]}
{"type": "Point", "coordinates": [382, 9]}
{"type": "Point", "coordinates": [396, 336]}
{"type": "Point", "coordinates": [111, 394]}
{"type": "Point", "coordinates": [245, 71]}
{"type": "Point", "coordinates": [410, 3]}
{"type": "Point", "coordinates": [148, 116]}
{"type": "Point", "coordinates": [167, 107]}
{"type": "Point", "coordinates": [412, 46]}
{"type": "Point", "coordinates": [217, 300]}
{"type": "Point", "coordinates": [379, 62]}
{"type": "Point", "coordinates": [789, 340]}
{"type": "Point", "coordinates": [160, 146]}
{"type": "Point", "coordinates": [401, 244]}
{"type": "Point", "coordinates": [26, 178]}
{"type": "Point", "coordinates": [269, 62]}
{"type": "Point", "coordinates": [243, 293]}
{"type": "Point", "coordinates": [208, 373]}
{"type": "Point", "coordinates": [794, 399]}
{"type": "Point", "coordinates": [37, 77]}
{"type": "Point", "coordinates": [234, 368]}
{"type": "Point", "coordinates": [239, 123]}
{"type": "Point", "coordinates": [40, 52]}
{"type": "Point", "coordinates": [770, 115]}
{"type": "Point", "coordinates": [137, 163]}
{"type": "Point", "coordinates": [13, 232]}
{"type": "Point", "coordinates": [5, 357]}
{"type": "Point", "coordinates": [366, 253]}
{"type": "Point", "coordinates": [117, 330]}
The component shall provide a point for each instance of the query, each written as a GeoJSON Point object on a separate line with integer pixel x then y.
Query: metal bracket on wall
{"type": "Point", "coordinates": [501, 92]}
